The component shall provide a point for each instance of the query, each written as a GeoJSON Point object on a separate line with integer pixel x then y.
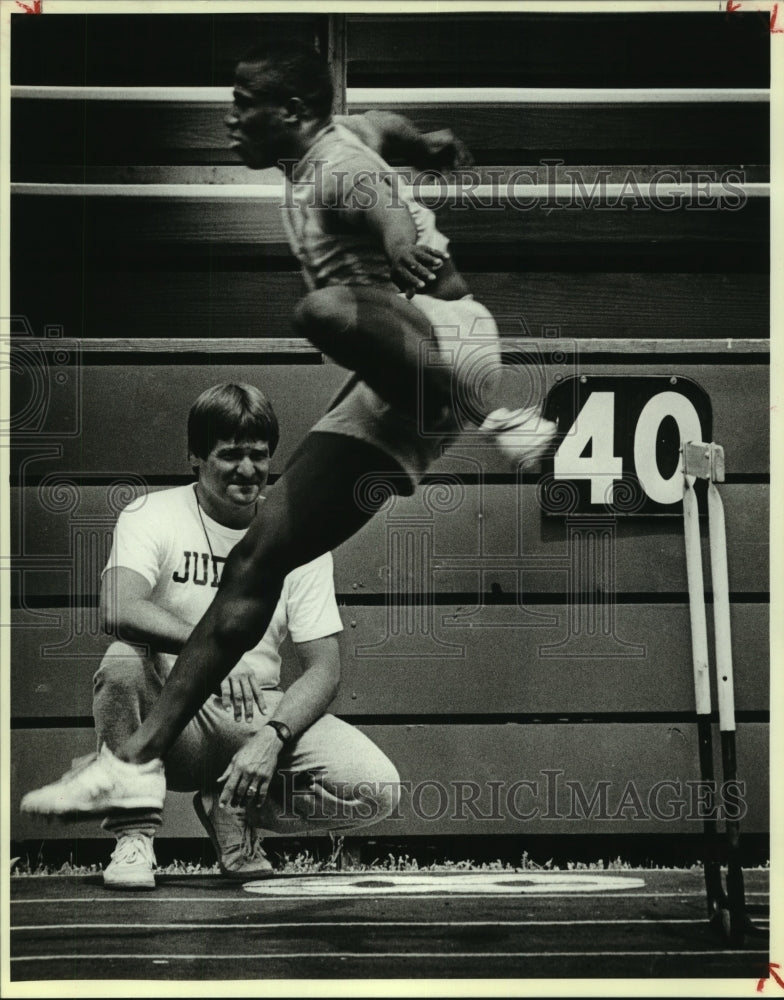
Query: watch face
{"type": "Point", "coordinates": [281, 729]}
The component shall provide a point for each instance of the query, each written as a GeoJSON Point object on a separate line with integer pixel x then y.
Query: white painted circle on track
{"type": "Point", "coordinates": [484, 883]}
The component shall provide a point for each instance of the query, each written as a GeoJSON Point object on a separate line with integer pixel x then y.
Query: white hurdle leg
{"type": "Point", "coordinates": [706, 461]}
{"type": "Point", "coordinates": [721, 610]}
{"type": "Point", "coordinates": [693, 457]}
{"type": "Point", "coordinates": [699, 626]}
{"type": "Point", "coordinates": [737, 923]}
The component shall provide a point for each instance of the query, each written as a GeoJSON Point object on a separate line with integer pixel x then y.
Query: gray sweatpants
{"type": "Point", "coordinates": [331, 777]}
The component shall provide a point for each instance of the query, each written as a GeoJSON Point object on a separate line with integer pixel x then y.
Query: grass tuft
{"type": "Point", "coordinates": [304, 863]}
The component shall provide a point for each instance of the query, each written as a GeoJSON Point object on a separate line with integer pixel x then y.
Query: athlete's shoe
{"type": "Point", "coordinates": [133, 863]}
{"type": "Point", "coordinates": [97, 784]}
{"type": "Point", "coordinates": [237, 843]}
{"type": "Point", "coordinates": [522, 435]}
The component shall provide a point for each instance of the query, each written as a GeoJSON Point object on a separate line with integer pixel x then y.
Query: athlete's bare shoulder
{"type": "Point", "coordinates": [398, 140]}
{"type": "Point", "coordinates": [363, 127]}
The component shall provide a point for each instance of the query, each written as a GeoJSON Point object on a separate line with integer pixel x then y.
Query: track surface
{"type": "Point", "coordinates": [650, 924]}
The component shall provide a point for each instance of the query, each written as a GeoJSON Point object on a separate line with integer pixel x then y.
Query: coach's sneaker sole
{"type": "Point", "coordinates": [133, 863]}
{"type": "Point", "coordinates": [97, 784]}
{"type": "Point", "coordinates": [522, 436]}
{"type": "Point", "coordinates": [237, 843]}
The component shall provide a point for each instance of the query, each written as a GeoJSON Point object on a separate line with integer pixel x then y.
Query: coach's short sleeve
{"type": "Point", "coordinates": [311, 608]}
{"type": "Point", "coordinates": [138, 541]}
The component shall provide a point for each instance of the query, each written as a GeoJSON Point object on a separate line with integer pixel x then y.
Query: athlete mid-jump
{"type": "Point", "coordinates": [383, 288]}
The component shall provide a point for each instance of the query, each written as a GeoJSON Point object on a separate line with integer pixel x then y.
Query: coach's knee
{"type": "Point", "coordinates": [383, 792]}
{"type": "Point", "coordinates": [123, 668]}
{"type": "Point", "coordinates": [325, 313]}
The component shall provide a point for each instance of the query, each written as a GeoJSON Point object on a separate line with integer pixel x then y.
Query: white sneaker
{"type": "Point", "coordinates": [521, 435]}
{"type": "Point", "coordinates": [133, 863]}
{"type": "Point", "coordinates": [237, 843]}
{"type": "Point", "coordinates": [98, 783]}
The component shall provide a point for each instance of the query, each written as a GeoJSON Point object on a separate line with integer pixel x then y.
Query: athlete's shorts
{"type": "Point", "coordinates": [468, 341]}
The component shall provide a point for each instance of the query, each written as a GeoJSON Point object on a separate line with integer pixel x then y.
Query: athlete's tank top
{"type": "Point", "coordinates": [338, 162]}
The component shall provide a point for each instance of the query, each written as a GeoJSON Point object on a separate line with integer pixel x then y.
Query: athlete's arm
{"type": "Point", "coordinates": [127, 612]}
{"type": "Point", "coordinates": [303, 703]}
{"type": "Point", "coordinates": [380, 210]}
{"type": "Point", "coordinates": [399, 141]}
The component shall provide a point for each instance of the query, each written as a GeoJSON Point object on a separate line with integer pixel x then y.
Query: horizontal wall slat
{"type": "Point", "coordinates": [194, 49]}
{"type": "Point", "coordinates": [164, 302]}
{"type": "Point", "coordinates": [453, 660]}
{"type": "Point", "coordinates": [486, 540]}
{"type": "Point", "coordinates": [140, 226]}
{"type": "Point", "coordinates": [475, 549]}
{"type": "Point", "coordinates": [443, 763]}
{"type": "Point", "coordinates": [444, 660]}
{"type": "Point", "coordinates": [157, 350]}
{"type": "Point", "coordinates": [519, 190]}
{"type": "Point", "coordinates": [517, 49]}
{"type": "Point", "coordinates": [99, 132]}
{"type": "Point", "coordinates": [579, 176]}
{"type": "Point", "coordinates": [595, 133]}
{"type": "Point", "coordinates": [415, 96]}
{"type": "Point", "coordinates": [384, 96]}
{"type": "Point", "coordinates": [559, 49]}
{"type": "Point", "coordinates": [301, 393]}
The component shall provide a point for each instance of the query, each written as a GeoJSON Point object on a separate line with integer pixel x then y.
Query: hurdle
{"type": "Point", "coordinates": [726, 909]}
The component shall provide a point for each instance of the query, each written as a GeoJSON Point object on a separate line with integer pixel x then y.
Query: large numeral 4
{"type": "Point", "coordinates": [592, 432]}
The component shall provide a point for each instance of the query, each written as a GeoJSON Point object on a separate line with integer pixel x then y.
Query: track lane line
{"type": "Point", "coordinates": [387, 955]}
{"type": "Point", "coordinates": [648, 922]}
{"type": "Point", "coordinates": [114, 897]}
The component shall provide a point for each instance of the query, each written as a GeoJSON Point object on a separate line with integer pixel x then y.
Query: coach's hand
{"type": "Point", "coordinates": [414, 266]}
{"type": "Point", "coordinates": [241, 689]}
{"type": "Point", "coordinates": [248, 776]}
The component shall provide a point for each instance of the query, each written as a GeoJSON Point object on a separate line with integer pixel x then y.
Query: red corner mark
{"type": "Point", "coordinates": [35, 8]}
{"type": "Point", "coordinates": [779, 980]}
{"type": "Point", "coordinates": [732, 7]}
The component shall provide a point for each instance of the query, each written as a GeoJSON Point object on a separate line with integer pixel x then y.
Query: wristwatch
{"type": "Point", "coordinates": [282, 730]}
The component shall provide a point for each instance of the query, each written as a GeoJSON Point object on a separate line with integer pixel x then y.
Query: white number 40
{"type": "Point", "coordinates": [587, 451]}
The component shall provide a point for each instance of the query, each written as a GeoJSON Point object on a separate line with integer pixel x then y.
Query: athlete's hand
{"type": "Point", "coordinates": [241, 689]}
{"type": "Point", "coordinates": [248, 776]}
{"type": "Point", "coordinates": [444, 151]}
{"type": "Point", "coordinates": [414, 266]}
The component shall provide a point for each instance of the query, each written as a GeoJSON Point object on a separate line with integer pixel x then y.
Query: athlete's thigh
{"type": "Point", "coordinates": [323, 498]}
{"type": "Point", "coordinates": [372, 300]}
{"type": "Point", "coordinates": [363, 306]}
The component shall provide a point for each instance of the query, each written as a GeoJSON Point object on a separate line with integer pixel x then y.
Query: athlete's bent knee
{"type": "Point", "coordinates": [325, 312]}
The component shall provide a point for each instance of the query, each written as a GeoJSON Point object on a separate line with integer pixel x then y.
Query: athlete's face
{"type": "Point", "coordinates": [231, 478]}
{"type": "Point", "coordinates": [259, 125]}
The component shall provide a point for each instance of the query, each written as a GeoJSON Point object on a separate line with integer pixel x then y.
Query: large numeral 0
{"type": "Point", "coordinates": [665, 404]}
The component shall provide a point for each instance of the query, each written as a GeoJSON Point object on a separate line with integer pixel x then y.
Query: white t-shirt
{"type": "Point", "coordinates": [161, 537]}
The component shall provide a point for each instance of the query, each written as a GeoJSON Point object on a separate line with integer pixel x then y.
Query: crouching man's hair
{"type": "Point", "coordinates": [231, 412]}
